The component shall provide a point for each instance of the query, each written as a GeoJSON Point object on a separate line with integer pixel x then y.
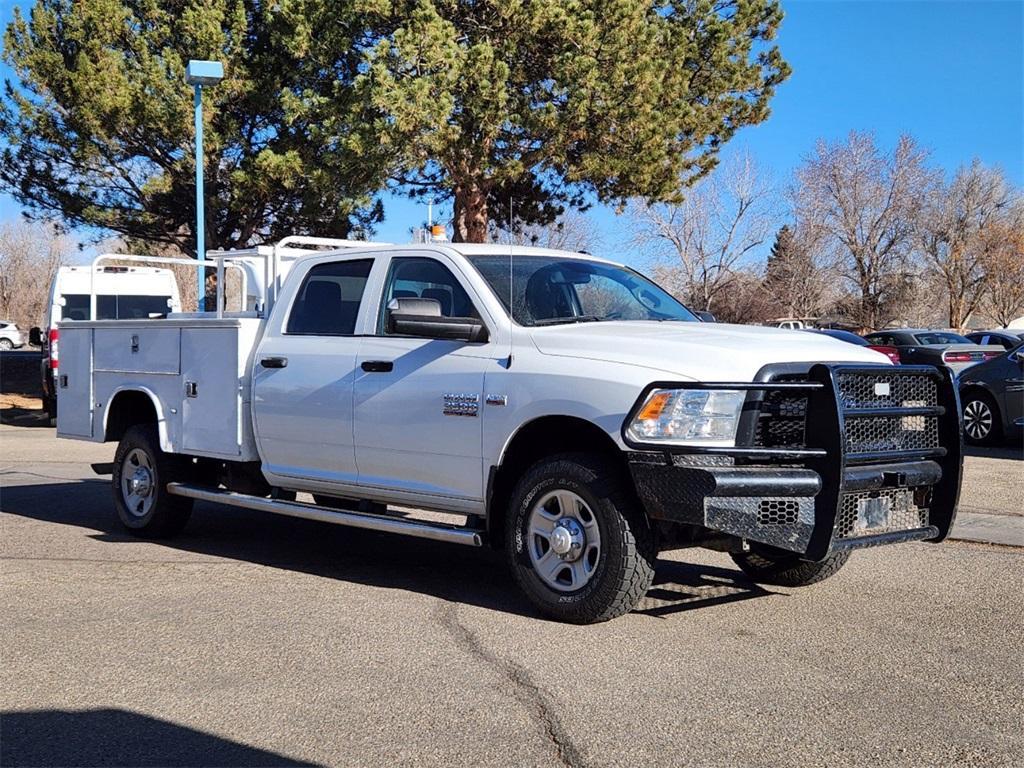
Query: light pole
{"type": "Point", "coordinates": [198, 74]}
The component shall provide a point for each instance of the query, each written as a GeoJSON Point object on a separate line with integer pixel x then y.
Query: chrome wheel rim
{"type": "Point", "coordinates": [977, 419]}
{"type": "Point", "coordinates": [563, 540]}
{"type": "Point", "coordinates": [137, 486]}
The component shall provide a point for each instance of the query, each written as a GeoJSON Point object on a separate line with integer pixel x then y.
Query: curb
{"type": "Point", "coordinates": [1006, 530]}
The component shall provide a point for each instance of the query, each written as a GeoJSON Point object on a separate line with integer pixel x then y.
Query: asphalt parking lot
{"type": "Point", "coordinates": [256, 640]}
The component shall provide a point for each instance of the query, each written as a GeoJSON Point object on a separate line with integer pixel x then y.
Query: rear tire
{"type": "Point", "coordinates": [6, 344]}
{"type": "Point", "coordinates": [139, 482]}
{"type": "Point", "coordinates": [767, 565]}
{"type": "Point", "coordinates": [981, 420]}
{"type": "Point", "coordinates": [576, 540]}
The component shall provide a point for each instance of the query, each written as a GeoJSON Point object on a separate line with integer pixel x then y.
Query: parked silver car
{"type": "Point", "coordinates": [10, 336]}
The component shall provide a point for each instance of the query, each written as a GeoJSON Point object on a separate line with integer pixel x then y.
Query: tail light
{"type": "Point", "coordinates": [54, 334]}
{"type": "Point", "coordinates": [991, 355]}
{"type": "Point", "coordinates": [891, 352]}
{"type": "Point", "coordinates": [956, 357]}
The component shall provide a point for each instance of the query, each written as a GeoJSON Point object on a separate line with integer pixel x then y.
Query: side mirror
{"type": "Point", "coordinates": [705, 316]}
{"type": "Point", "coordinates": [35, 337]}
{"type": "Point", "coordinates": [423, 318]}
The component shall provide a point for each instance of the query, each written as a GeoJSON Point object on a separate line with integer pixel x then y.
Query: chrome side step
{"type": "Point", "coordinates": [436, 531]}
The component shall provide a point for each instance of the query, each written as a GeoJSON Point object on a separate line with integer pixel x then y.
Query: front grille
{"type": "Point", "coordinates": [888, 389]}
{"type": "Point", "coordinates": [859, 390]}
{"type": "Point", "coordinates": [891, 433]}
{"type": "Point", "coordinates": [867, 513]}
{"type": "Point", "coordinates": [782, 419]}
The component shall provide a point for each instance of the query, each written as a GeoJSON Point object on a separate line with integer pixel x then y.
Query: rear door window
{"type": "Point", "coordinates": [328, 301]}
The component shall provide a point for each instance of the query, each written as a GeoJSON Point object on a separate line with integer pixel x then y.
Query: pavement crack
{"type": "Point", "coordinates": [535, 699]}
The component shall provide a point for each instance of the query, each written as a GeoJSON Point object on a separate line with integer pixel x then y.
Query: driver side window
{"type": "Point", "coordinates": [425, 278]}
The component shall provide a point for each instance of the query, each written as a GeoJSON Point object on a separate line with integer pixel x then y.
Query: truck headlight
{"type": "Point", "coordinates": [688, 417]}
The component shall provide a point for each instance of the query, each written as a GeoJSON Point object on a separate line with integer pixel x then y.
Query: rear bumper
{"type": "Point", "coordinates": [829, 492]}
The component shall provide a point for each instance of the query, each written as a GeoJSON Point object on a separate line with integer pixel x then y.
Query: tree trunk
{"type": "Point", "coordinates": [470, 209]}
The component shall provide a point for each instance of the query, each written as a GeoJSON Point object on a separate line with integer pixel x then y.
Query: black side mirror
{"type": "Point", "coordinates": [705, 316]}
{"type": "Point", "coordinates": [35, 337]}
{"type": "Point", "coordinates": [423, 318]}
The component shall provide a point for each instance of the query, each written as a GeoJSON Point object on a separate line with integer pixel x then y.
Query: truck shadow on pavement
{"type": "Point", "coordinates": [117, 737]}
{"type": "Point", "coordinates": [458, 574]}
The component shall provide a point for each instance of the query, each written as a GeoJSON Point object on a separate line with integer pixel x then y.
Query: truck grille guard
{"type": "Point", "coordinates": [827, 441]}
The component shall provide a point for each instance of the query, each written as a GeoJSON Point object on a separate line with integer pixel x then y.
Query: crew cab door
{"type": "Point", "coordinates": [419, 402]}
{"type": "Point", "coordinates": [304, 370]}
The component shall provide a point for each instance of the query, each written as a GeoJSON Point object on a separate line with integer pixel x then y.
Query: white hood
{"type": "Point", "coordinates": [698, 351]}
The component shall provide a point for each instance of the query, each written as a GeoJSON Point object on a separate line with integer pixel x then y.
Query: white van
{"type": "Point", "coordinates": [122, 293]}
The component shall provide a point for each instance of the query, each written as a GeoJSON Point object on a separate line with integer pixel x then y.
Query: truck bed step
{"type": "Point", "coordinates": [437, 531]}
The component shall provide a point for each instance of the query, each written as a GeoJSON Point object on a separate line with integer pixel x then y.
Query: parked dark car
{"type": "Point", "coordinates": [849, 336]}
{"type": "Point", "coordinates": [920, 346]}
{"type": "Point", "coordinates": [992, 398]}
{"type": "Point", "coordinates": [1007, 338]}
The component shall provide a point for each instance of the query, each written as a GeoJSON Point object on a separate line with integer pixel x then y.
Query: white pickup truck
{"type": "Point", "coordinates": [565, 407]}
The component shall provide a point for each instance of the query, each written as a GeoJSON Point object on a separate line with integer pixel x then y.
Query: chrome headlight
{"type": "Point", "coordinates": [687, 417]}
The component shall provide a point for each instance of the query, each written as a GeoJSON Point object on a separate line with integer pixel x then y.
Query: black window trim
{"type": "Point", "coordinates": [305, 279]}
{"type": "Point", "coordinates": [379, 317]}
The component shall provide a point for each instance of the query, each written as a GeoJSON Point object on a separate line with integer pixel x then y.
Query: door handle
{"type": "Point", "coordinates": [274, 362]}
{"type": "Point", "coordinates": [378, 366]}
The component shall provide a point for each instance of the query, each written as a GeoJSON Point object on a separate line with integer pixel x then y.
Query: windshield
{"type": "Point", "coordinates": [121, 307]}
{"type": "Point", "coordinates": [941, 338]}
{"type": "Point", "coordinates": [550, 290]}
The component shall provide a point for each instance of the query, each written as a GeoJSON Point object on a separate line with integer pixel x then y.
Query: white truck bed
{"type": "Point", "coordinates": [197, 366]}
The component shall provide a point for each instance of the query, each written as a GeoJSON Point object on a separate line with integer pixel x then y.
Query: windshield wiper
{"type": "Point", "coordinates": [564, 320]}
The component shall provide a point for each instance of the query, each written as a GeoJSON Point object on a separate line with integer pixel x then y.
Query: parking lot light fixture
{"type": "Point", "coordinates": [197, 74]}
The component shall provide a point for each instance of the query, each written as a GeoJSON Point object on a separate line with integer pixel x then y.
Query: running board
{"type": "Point", "coordinates": [452, 534]}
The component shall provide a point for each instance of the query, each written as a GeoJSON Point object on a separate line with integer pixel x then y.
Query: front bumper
{"type": "Point", "coordinates": [845, 470]}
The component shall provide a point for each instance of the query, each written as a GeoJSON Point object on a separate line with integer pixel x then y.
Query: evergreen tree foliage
{"type": "Point", "coordinates": [98, 126]}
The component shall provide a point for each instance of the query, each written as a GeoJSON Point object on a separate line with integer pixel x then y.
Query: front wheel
{"type": "Point", "coordinates": [767, 565]}
{"type": "Point", "coordinates": [141, 474]}
{"type": "Point", "coordinates": [577, 542]}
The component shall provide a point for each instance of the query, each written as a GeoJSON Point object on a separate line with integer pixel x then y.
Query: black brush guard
{"type": "Point", "coordinates": [847, 440]}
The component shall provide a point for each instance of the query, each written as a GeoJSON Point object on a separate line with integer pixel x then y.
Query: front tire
{"type": "Point", "coordinates": [980, 419]}
{"type": "Point", "coordinates": [141, 474]}
{"type": "Point", "coordinates": [767, 565]}
{"type": "Point", "coordinates": [577, 541]}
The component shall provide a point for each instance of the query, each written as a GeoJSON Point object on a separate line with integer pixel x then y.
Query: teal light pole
{"type": "Point", "coordinates": [198, 74]}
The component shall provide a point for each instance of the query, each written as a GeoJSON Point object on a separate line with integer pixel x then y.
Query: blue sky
{"type": "Point", "coordinates": [949, 73]}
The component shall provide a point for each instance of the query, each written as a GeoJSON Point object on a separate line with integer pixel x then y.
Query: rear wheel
{"type": "Point", "coordinates": [141, 474]}
{"type": "Point", "coordinates": [6, 344]}
{"type": "Point", "coordinates": [981, 419]}
{"type": "Point", "coordinates": [577, 542]}
{"type": "Point", "coordinates": [768, 565]}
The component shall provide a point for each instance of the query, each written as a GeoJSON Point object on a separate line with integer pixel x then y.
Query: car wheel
{"type": "Point", "coordinates": [981, 419]}
{"type": "Point", "coordinates": [140, 477]}
{"type": "Point", "coordinates": [577, 542]}
{"type": "Point", "coordinates": [6, 344]}
{"type": "Point", "coordinates": [767, 565]}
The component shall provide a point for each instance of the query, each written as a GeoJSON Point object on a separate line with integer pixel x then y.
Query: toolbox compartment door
{"type": "Point", "coordinates": [211, 395]}
{"type": "Point", "coordinates": [74, 383]}
{"type": "Point", "coordinates": [138, 350]}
